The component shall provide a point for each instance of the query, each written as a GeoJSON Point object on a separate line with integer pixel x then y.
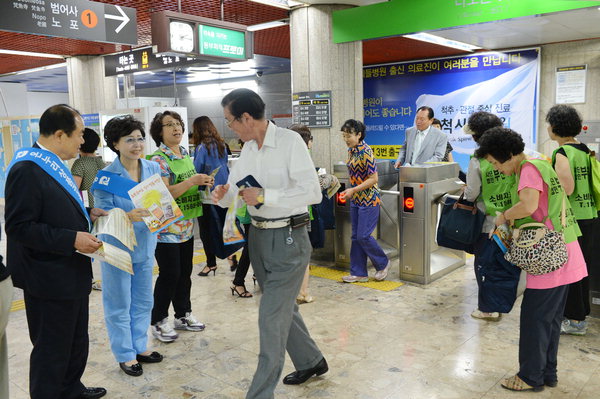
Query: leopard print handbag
{"type": "Point", "coordinates": [537, 249]}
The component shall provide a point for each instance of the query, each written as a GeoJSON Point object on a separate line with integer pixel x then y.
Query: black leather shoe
{"type": "Point", "coordinates": [134, 370]}
{"type": "Point", "coordinates": [92, 393]}
{"type": "Point", "coordinates": [551, 384]}
{"type": "Point", "coordinates": [154, 357]}
{"type": "Point", "coordinates": [300, 376]}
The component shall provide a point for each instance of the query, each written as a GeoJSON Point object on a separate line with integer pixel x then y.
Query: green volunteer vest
{"type": "Point", "coordinates": [189, 202]}
{"type": "Point", "coordinates": [555, 197]}
{"type": "Point", "coordinates": [581, 199]}
{"type": "Point", "coordinates": [498, 191]}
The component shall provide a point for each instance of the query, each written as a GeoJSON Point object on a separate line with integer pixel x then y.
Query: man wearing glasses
{"type": "Point", "coordinates": [278, 161]}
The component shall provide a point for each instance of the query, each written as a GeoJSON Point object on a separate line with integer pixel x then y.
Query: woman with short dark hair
{"type": "Point", "coordinates": [365, 200]}
{"type": "Point", "coordinates": [540, 200]}
{"type": "Point", "coordinates": [572, 164]}
{"type": "Point", "coordinates": [127, 298]}
{"type": "Point", "coordinates": [86, 167]}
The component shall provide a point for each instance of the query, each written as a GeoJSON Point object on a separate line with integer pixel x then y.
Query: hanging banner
{"type": "Point", "coordinates": [505, 84]}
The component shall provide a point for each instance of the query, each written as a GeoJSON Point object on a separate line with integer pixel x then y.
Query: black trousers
{"type": "Point", "coordinates": [244, 263]}
{"type": "Point", "coordinates": [58, 330]}
{"type": "Point", "coordinates": [174, 282]}
{"type": "Point", "coordinates": [539, 332]}
{"type": "Point", "coordinates": [578, 299]}
{"type": "Point", "coordinates": [204, 223]}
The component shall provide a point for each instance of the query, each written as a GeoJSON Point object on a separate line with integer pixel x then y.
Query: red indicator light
{"type": "Point", "coordinates": [339, 199]}
{"type": "Point", "coordinates": [409, 203]}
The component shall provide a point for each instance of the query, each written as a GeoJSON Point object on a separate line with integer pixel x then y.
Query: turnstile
{"type": "Point", "coordinates": [387, 229]}
{"type": "Point", "coordinates": [421, 259]}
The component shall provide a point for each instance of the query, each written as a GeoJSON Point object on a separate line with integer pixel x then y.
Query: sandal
{"type": "Point", "coordinates": [489, 316]}
{"type": "Point", "coordinates": [300, 299]}
{"type": "Point", "coordinates": [515, 383]}
{"type": "Point", "coordinates": [242, 294]}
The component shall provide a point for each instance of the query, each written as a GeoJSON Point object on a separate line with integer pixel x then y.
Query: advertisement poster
{"type": "Point", "coordinates": [505, 84]}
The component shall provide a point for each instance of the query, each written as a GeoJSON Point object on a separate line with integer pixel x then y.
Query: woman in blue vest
{"type": "Point", "coordinates": [175, 248]}
{"type": "Point", "coordinates": [128, 298]}
{"type": "Point", "coordinates": [540, 199]}
{"type": "Point", "coordinates": [572, 165]}
{"type": "Point", "coordinates": [494, 192]}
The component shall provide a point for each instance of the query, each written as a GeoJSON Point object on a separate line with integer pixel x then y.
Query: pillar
{"type": "Point", "coordinates": [89, 90]}
{"type": "Point", "coordinates": [320, 64]}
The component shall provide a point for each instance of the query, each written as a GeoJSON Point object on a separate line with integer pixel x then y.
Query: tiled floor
{"type": "Point", "coordinates": [414, 342]}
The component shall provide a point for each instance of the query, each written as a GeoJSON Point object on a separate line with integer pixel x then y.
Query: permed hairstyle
{"type": "Point", "coordinates": [121, 126]}
{"type": "Point", "coordinates": [156, 126]}
{"type": "Point", "coordinates": [481, 121]}
{"type": "Point", "coordinates": [355, 127]}
{"type": "Point", "coordinates": [501, 143]}
{"type": "Point", "coordinates": [92, 140]}
{"type": "Point", "coordinates": [303, 131]}
{"type": "Point", "coordinates": [564, 120]}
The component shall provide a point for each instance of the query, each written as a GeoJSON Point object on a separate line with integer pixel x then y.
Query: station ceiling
{"type": "Point", "coordinates": [275, 42]}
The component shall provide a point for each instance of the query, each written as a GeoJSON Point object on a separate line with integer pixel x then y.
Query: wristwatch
{"type": "Point", "coordinates": [261, 197]}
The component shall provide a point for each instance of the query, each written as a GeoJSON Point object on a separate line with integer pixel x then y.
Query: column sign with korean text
{"type": "Point", "coordinates": [76, 19]}
{"type": "Point", "coordinates": [312, 108]}
{"type": "Point", "coordinates": [221, 42]}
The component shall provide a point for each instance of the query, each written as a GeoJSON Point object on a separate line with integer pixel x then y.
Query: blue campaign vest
{"type": "Point", "coordinates": [54, 167]}
{"type": "Point", "coordinates": [113, 183]}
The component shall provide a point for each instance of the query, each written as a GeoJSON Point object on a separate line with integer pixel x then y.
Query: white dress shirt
{"type": "Point", "coordinates": [284, 169]}
{"type": "Point", "coordinates": [419, 138]}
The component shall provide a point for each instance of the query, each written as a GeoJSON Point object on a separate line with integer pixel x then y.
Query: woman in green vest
{"type": "Point", "coordinates": [540, 200]}
{"type": "Point", "coordinates": [572, 164]}
{"type": "Point", "coordinates": [175, 248]}
{"type": "Point", "coordinates": [494, 192]}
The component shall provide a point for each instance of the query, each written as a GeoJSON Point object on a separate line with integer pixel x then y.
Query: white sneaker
{"type": "Point", "coordinates": [189, 323]}
{"type": "Point", "coordinates": [380, 275]}
{"type": "Point", "coordinates": [163, 331]}
{"type": "Point", "coordinates": [354, 279]}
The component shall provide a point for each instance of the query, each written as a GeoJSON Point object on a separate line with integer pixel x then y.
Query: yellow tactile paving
{"type": "Point", "coordinates": [333, 274]}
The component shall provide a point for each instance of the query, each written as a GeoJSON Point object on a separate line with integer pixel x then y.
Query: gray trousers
{"type": "Point", "coordinates": [279, 269]}
{"type": "Point", "coordinates": [6, 296]}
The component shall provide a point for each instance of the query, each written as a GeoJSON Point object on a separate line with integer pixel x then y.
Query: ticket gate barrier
{"type": "Point", "coordinates": [387, 230]}
{"type": "Point", "coordinates": [421, 187]}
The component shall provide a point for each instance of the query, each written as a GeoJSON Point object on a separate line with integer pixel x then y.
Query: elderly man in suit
{"type": "Point", "coordinates": [46, 223]}
{"type": "Point", "coordinates": [423, 142]}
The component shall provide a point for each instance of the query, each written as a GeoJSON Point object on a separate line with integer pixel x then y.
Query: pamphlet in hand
{"type": "Point", "coordinates": [114, 256]}
{"type": "Point", "coordinates": [207, 188]}
{"type": "Point", "coordinates": [247, 182]}
{"type": "Point", "coordinates": [153, 195]}
{"type": "Point", "coordinates": [503, 236]}
{"type": "Point", "coordinates": [118, 225]}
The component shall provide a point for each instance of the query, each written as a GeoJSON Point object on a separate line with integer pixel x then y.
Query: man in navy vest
{"type": "Point", "coordinates": [46, 223]}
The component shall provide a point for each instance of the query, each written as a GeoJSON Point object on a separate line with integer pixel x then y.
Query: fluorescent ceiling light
{"type": "Point", "coordinates": [429, 38]}
{"type": "Point", "coordinates": [30, 54]}
{"type": "Point", "coordinates": [268, 25]}
{"type": "Point", "coordinates": [144, 73]}
{"type": "Point", "coordinates": [285, 4]}
{"type": "Point", "coordinates": [53, 66]}
{"type": "Point", "coordinates": [217, 89]}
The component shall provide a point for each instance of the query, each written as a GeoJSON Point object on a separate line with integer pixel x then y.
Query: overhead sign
{"type": "Point", "coordinates": [76, 19]}
{"type": "Point", "coordinates": [198, 37]}
{"type": "Point", "coordinates": [312, 108]}
{"type": "Point", "coordinates": [400, 17]}
{"type": "Point", "coordinates": [143, 59]}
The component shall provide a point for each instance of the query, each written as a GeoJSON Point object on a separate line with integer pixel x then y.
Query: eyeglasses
{"type": "Point", "coordinates": [172, 124]}
{"type": "Point", "coordinates": [228, 123]}
{"type": "Point", "coordinates": [132, 141]}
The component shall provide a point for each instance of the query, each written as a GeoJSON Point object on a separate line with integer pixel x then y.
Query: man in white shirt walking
{"type": "Point", "coordinates": [423, 142]}
{"type": "Point", "coordinates": [279, 246]}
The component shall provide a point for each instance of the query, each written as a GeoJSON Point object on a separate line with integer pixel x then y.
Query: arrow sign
{"type": "Point", "coordinates": [123, 17]}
